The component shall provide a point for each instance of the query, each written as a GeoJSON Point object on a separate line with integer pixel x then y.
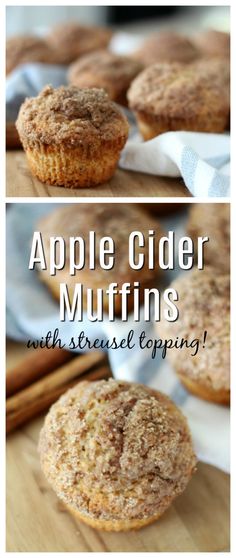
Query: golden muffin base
{"type": "Point", "coordinates": [221, 396]}
{"type": "Point", "coordinates": [151, 127]}
{"type": "Point", "coordinates": [116, 524]}
{"type": "Point", "coordinates": [71, 167]}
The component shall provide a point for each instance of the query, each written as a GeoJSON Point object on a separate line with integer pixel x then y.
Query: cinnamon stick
{"type": "Point", "coordinates": [36, 398]}
{"type": "Point", "coordinates": [36, 365]}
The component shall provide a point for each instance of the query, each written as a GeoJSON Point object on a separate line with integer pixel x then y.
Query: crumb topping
{"type": "Point", "coordinates": [27, 48]}
{"type": "Point", "coordinates": [71, 115]}
{"type": "Point", "coordinates": [214, 43]}
{"type": "Point", "coordinates": [212, 220]}
{"type": "Point", "coordinates": [106, 66]}
{"type": "Point", "coordinates": [74, 40]}
{"type": "Point", "coordinates": [167, 46]}
{"type": "Point", "coordinates": [177, 91]}
{"type": "Point", "coordinates": [112, 449]}
{"type": "Point", "coordinates": [204, 304]}
{"type": "Point", "coordinates": [103, 219]}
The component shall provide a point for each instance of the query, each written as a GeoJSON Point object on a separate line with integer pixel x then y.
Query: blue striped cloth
{"type": "Point", "coordinates": [31, 312]}
{"type": "Point", "coordinates": [202, 160]}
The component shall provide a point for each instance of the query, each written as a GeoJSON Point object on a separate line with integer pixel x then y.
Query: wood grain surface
{"type": "Point", "coordinates": [20, 182]}
{"type": "Point", "coordinates": [37, 521]}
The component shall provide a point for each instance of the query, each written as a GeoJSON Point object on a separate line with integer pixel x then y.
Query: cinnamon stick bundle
{"type": "Point", "coordinates": [36, 398]}
{"type": "Point", "coordinates": [37, 364]}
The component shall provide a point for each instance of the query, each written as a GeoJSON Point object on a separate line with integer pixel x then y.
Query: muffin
{"type": "Point", "coordinates": [166, 46]}
{"type": "Point", "coordinates": [106, 70]}
{"type": "Point", "coordinates": [212, 220]}
{"type": "Point", "coordinates": [204, 305]}
{"type": "Point", "coordinates": [117, 454]}
{"type": "Point", "coordinates": [170, 97]}
{"type": "Point", "coordinates": [114, 220]}
{"type": "Point", "coordinates": [72, 137]}
{"type": "Point", "coordinates": [213, 43]}
{"type": "Point", "coordinates": [27, 48]}
{"type": "Point", "coordinates": [72, 40]}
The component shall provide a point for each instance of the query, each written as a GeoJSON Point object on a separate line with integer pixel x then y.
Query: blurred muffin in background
{"type": "Point", "coordinates": [170, 97]}
{"type": "Point", "coordinates": [213, 43]}
{"type": "Point", "coordinates": [118, 221]}
{"type": "Point", "coordinates": [109, 71]}
{"type": "Point", "coordinates": [204, 305]}
{"type": "Point", "coordinates": [72, 40]}
{"type": "Point", "coordinates": [213, 220]}
{"type": "Point", "coordinates": [28, 48]}
{"type": "Point", "coordinates": [166, 46]}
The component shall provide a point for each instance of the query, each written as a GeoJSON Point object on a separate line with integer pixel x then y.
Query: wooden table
{"type": "Point", "coordinates": [20, 182]}
{"type": "Point", "coordinates": [38, 522]}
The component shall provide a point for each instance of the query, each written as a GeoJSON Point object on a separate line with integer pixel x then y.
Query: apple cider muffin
{"type": "Point", "coordinates": [212, 220]}
{"type": "Point", "coordinates": [72, 40]}
{"type": "Point", "coordinates": [27, 48]}
{"type": "Point", "coordinates": [117, 454]}
{"type": "Point", "coordinates": [116, 221]}
{"type": "Point", "coordinates": [72, 137]}
{"type": "Point", "coordinates": [106, 70]}
{"type": "Point", "coordinates": [213, 43]}
{"type": "Point", "coordinates": [204, 305]}
{"type": "Point", "coordinates": [166, 46]}
{"type": "Point", "coordinates": [171, 97]}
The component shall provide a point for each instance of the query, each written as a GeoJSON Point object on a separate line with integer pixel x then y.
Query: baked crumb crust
{"type": "Point", "coordinates": [204, 304]}
{"type": "Point", "coordinates": [167, 97]}
{"type": "Point", "coordinates": [27, 48]}
{"type": "Point", "coordinates": [72, 117]}
{"type": "Point", "coordinates": [115, 451]}
{"type": "Point", "coordinates": [213, 43]}
{"type": "Point", "coordinates": [118, 221]}
{"type": "Point", "coordinates": [175, 91]}
{"type": "Point", "coordinates": [73, 40]}
{"type": "Point", "coordinates": [107, 70]}
{"type": "Point", "coordinates": [166, 46]}
{"type": "Point", "coordinates": [212, 220]}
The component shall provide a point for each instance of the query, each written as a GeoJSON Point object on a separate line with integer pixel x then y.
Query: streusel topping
{"type": "Point", "coordinates": [114, 220]}
{"type": "Point", "coordinates": [72, 116]}
{"type": "Point", "coordinates": [204, 305]}
{"type": "Point", "coordinates": [107, 65]}
{"type": "Point", "coordinates": [114, 449]}
{"type": "Point", "coordinates": [180, 91]}
{"type": "Point", "coordinates": [167, 46]}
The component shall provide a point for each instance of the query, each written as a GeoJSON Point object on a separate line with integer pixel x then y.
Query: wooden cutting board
{"type": "Point", "coordinates": [20, 182]}
{"type": "Point", "coordinates": [198, 521]}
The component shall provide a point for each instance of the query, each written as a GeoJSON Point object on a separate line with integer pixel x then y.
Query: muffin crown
{"type": "Point", "coordinates": [71, 115]}
{"type": "Point", "coordinates": [103, 219]}
{"type": "Point", "coordinates": [181, 91]}
{"type": "Point", "coordinates": [204, 305]}
{"type": "Point", "coordinates": [124, 442]}
{"type": "Point", "coordinates": [107, 65]}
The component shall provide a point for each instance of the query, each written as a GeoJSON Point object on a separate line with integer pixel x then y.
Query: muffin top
{"type": "Point", "coordinates": [212, 220]}
{"type": "Point", "coordinates": [213, 43]}
{"type": "Point", "coordinates": [167, 46]}
{"type": "Point", "coordinates": [73, 40]}
{"type": "Point", "coordinates": [204, 304]}
{"type": "Point", "coordinates": [71, 116]}
{"type": "Point", "coordinates": [27, 48]}
{"type": "Point", "coordinates": [112, 449]}
{"type": "Point", "coordinates": [104, 69]}
{"type": "Point", "coordinates": [180, 91]}
{"type": "Point", "coordinates": [114, 220]}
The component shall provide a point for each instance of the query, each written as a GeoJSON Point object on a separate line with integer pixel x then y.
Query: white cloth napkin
{"type": "Point", "coordinates": [31, 312]}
